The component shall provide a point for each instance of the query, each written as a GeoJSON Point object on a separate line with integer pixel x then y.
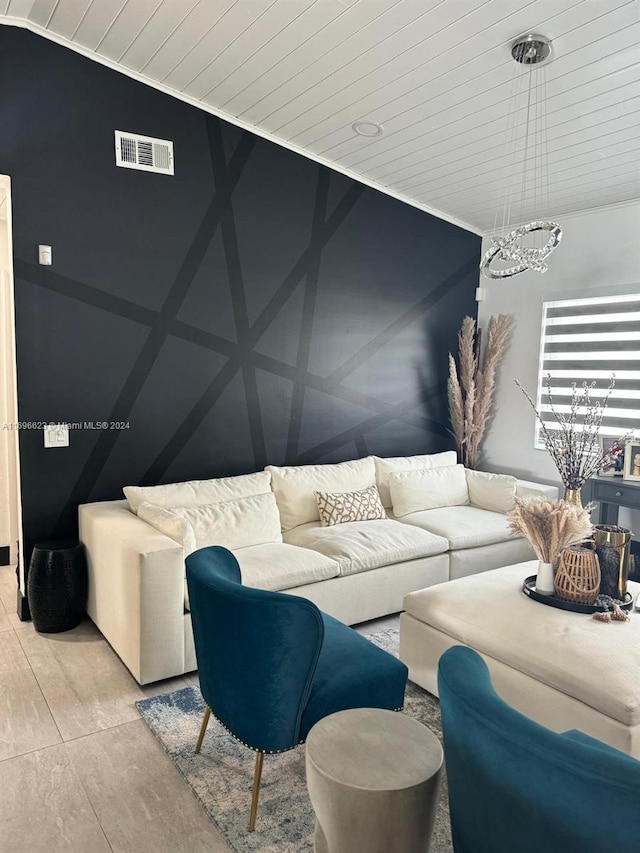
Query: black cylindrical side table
{"type": "Point", "coordinates": [57, 586]}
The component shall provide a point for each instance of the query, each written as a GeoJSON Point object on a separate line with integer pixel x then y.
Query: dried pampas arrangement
{"type": "Point", "coordinates": [470, 389]}
{"type": "Point", "coordinates": [550, 526]}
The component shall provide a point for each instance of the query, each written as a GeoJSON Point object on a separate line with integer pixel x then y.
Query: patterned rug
{"type": "Point", "coordinates": [222, 774]}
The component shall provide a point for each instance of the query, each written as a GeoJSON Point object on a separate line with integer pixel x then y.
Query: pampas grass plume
{"type": "Point", "coordinates": [549, 525]}
{"type": "Point", "coordinates": [471, 386]}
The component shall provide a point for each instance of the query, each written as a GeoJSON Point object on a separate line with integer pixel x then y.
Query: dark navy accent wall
{"type": "Point", "coordinates": [256, 307]}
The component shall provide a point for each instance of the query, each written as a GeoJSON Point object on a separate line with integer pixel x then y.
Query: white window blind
{"type": "Point", "coordinates": [590, 339]}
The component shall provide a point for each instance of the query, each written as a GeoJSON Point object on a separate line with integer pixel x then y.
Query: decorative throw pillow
{"type": "Point", "coordinates": [415, 491]}
{"type": "Point", "coordinates": [341, 507]}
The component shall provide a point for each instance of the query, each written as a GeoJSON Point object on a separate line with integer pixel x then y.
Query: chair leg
{"type": "Point", "coordinates": [257, 775]}
{"type": "Point", "coordinates": [203, 728]}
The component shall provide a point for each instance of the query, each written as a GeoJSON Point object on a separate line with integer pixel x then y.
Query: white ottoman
{"type": "Point", "coordinates": [564, 670]}
{"type": "Point", "coordinates": [373, 778]}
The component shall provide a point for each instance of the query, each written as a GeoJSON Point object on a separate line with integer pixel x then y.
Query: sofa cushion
{"type": "Point", "coordinates": [233, 524]}
{"type": "Point", "coordinates": [344, 507]}
{"type": "Point", "coordinates": [495, 492]}
{"type": "Point", "coordinates": [199, 492]}
{"type": "Point", "coordinates": [463, 526]}
{"type": "Point", "coordinates": [364, 545]}
{"type": "Point", "coordinates": [414, 491]}
{"type": "Point", "coordinates": [294, 486]}
{"type": "Point", "coordinates": [392, 464]}
{"type": "Point", "coordinates": [278, 566]}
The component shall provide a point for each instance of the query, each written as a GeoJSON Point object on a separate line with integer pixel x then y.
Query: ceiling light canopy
{"type": "Point", "coordinates": [531, 49]}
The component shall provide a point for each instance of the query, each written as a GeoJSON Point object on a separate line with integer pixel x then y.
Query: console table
{"type": "Point", "coordinates": [611, 493]}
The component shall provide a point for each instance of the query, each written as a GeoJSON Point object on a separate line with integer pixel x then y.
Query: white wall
{"type": "Point", "coordinates": [5, 513]}
{"type": "Point", "coordinates": [10, 510]}
{"type": "Point", "coordinates": [599, 249]}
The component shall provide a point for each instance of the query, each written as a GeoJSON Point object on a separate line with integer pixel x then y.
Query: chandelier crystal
{"type": "Point", "coordinates": [521, 248]}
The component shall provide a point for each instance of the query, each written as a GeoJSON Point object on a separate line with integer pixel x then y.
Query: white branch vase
{"type": "Point", "coordinates": [544, 580]}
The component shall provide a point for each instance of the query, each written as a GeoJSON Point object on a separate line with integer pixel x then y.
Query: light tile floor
{"type": "Point", "coordinates": [80, 772]}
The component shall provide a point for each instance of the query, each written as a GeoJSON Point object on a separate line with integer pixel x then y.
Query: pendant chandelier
{"type": "Point", "coordinates": [527, 246]}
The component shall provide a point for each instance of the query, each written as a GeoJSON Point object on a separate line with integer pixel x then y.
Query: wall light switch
{"type": "Point", "coordinates": [44, 255]}
{"type": "Point", "coordinates": [56, 435]}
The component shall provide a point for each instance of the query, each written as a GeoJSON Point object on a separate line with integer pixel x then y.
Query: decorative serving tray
{"type": "Point", "coordinates": [529, 588]}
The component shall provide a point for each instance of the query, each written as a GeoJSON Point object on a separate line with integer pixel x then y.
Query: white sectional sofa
{"type": "Point", "coordinates": [427, 521]}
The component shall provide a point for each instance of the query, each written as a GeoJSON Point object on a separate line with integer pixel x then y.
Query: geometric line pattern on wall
{"type": "Point", "coordinates": [157, 334]}
{"type": "Point", "coordinates": [298, 316]}
{"type": "Point", "coordinates": [361, 445]}
{"type": "Point", "coordinates": [50, 280]}
{"type": "Point", "coordinates": [305, 333]}
{"type": "Point", "coordinates": [247, 342]}
{"type": "Point", "coordinates": [224, 184]}
{"type": "Point", "coordinates": [241, 355]}
{"type": "Point", "coordinates": [394, 329]}
{"type": "Point", "coordinates": [391, 413]}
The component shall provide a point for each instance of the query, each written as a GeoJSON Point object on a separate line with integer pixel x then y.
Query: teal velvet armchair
{"type": "Point", "coordinates": [517, 787]}
{"type": "Point", "coordinates": [272, 664]}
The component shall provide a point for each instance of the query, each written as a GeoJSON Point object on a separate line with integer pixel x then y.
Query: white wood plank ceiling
{"type": "Point", "coordinates": [437, 75]}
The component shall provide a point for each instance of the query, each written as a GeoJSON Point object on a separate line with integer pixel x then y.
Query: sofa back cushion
{"type": "Point", "coordinates": [495, 492]}
{"type": "Point", "coordinates": [199, 492]}
{"type": "Point", "coordinates": [429, 488]}
{"type": "Point", "coordinates": [294, 486]}
{"type": "Point", "coordinates": [393, 464]}
{"type": "Point", "coordinates": [233, 524]}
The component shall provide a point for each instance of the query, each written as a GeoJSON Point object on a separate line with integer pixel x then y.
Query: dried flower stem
{"type": "Point", "coordinates": [550, 526]}
{"type": "Point", "coordinates": [575, 447]}
{"type": "Point", "coordinates": [471, 389]}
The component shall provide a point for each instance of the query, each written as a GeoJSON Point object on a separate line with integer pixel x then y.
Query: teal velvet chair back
{"type": "Point", "coordinates": [257, 651]}
{"type": "Point", "coordinates": [517, 787]}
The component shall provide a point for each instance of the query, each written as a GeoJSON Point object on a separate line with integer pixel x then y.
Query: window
{"type": "Point", "coordinates": [590, 339]}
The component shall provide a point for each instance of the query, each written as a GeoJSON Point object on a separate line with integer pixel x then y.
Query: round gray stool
{"type": "Point", "coordinates": [373, 778]}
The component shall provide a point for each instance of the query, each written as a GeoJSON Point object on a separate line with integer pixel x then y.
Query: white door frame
{"type": "Point", "coordinates": [9, 434]}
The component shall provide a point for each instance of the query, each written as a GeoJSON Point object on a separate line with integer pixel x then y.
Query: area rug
{"type": "Point", "coordinates": [222, 774]}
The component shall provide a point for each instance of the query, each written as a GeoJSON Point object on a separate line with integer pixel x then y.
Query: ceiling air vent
{"type": "Point", "coordinates": [143, 152]}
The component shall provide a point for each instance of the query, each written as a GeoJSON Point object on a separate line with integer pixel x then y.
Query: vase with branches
{"type": "Point", "coordinates": [574, 444]}
{"type": "Point", "coordinates": [470, 387]}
